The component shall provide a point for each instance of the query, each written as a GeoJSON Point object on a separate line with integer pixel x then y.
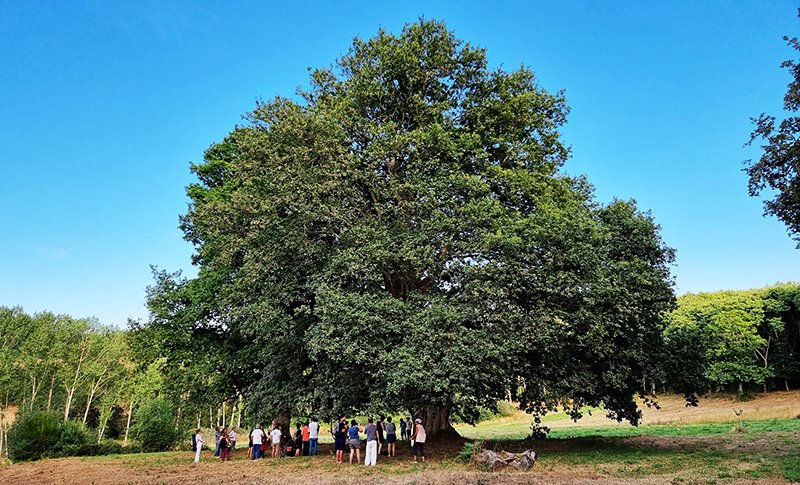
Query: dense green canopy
{"type": "Point", "coordinates": [735, 338]}
{"type": "Point", "coordinates": [401, 237]}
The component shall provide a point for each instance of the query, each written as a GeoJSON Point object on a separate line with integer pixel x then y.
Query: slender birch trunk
{"type": "Point", "coordinates": [50, 395]}
{"type": "Point", "coordinates": [89, 402]}
{"type": "Point", "coordinates": [239, 420]}
{"type": "Point", "coordinates": [128, 426]}
{"type": "Point", "coordinates": [71, 390]}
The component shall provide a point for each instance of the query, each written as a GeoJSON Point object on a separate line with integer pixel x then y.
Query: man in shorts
{"type": "Point", "coordinates": [391, 436]}
{"type": "Point", "coordinates": [276, 442]}
{"type": "Point", "coordinates": [339, 438]}
{"type": "Point", "coordinates": [355, 441]}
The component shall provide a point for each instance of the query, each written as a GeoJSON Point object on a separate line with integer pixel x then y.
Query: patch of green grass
{"type": "Point", "coordinates": [791, 468]}
{"type": "Point", "coordinates": [519, 428]}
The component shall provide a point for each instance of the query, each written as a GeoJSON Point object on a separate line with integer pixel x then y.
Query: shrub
{"type": "Point", "coordinates": [40, 434]}
{"type": "Point", "coordinates": [469, 450]}
{"type": "Point", "coordinates": [155, 429]}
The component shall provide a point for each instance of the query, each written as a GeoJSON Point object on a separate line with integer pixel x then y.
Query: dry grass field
{"type": "Point", "coordinates": [760, 454]}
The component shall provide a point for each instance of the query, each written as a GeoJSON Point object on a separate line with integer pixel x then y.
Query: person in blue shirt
{"type": "Point", "coordinates": [355, 442]}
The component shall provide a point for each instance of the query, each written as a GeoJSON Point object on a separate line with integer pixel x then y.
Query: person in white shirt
{"type": "Point", "coordinates": [276, 442]}
{"type": "Point", "coordinates": [257, 434]}
{"type": "Point", "coordinates": [313, 436]}
{"type": "Point", "coordinates": [232, 434]}
{"type": "Point", "coordinates": [419, 440]}
{"type": "Point", "coordinates": [199, 442]}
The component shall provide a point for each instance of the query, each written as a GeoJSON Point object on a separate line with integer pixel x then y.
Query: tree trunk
{"type": "Point", "coordinates": [436, 419]}
{"type": "Point", "coordinates": [239, 407]}
{"type": "Point", "coordinates": [34, 389]}
{"type": "Point", "coordinates": [2, 426]}
{"type": "Point", "coordinates": [284, 420]}
{"type": "Point", "coordinates": [741, 389]}
{"type": "Point", "coordinates": [70, 393]}
{"type": "Point", "coordinates": [5, 431]}
{"type": "Point", "coordinates": [50, 395]}
{"type": "Point", "coordinates": [89, 401]}
{"type": "Point", "coordinates": [128, 426]}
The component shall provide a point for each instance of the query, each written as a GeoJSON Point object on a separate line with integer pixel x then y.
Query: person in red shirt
{"type": "Point", "coordinates": [306, 439]}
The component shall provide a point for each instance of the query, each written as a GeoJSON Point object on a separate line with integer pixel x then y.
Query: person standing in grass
{"type": "Point", "coordinates": [391, 436]}
{"type": "Point", "coordinates": [313, 436]}
{"type": "Point", "coordinates": [256, 436]}
{"type": "Point", "coordinates": [224, 446]}
{"type": "Point", "coordinates": [306, 435]}
{"type": "Point", "coordinates": [276, 442]}
{"type": "Point", "coordinates": [372, 444]}
{"type": "Point", "coordinates": [355, 441]}
{"type": "Point", "coordinates": [419, 440]}
{"type": "Point", "coordinates": [198, 437]}
{"type": "Point", "coordinates": [403, 435]}
{"type": "Point", "coordinates": [217, 433]}
{"type": "Point", "coordinates": [339, 438]}
{"type": "Point", "coordinates": [232, 435]}
{"type": "Point", "coordinates": [298, 435]}
{"type": "Point", "coordinates": [381, 429]}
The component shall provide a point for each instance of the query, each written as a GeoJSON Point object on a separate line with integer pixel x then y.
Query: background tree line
{"type": "Point", "coordinates": [101, 377]}
{"type": "Point", "coordinates": [69, 384]}
{"type": "Point", "coordinates": [733, 339]}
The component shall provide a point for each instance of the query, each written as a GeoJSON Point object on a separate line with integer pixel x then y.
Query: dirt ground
{"type": "Point", "coordinates": [441, 469]}
{"type": "Point", "coordinates": [178, 469]}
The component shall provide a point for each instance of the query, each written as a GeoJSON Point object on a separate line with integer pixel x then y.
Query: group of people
{"type": "Point", "coordinates": [303, 442]}
{"type": "Point", "coordinates": [345, 437]}
{"type": "Point", "coordinates": [225, 443]}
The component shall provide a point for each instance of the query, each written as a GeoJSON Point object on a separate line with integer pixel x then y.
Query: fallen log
{"type": "Point", "coordinates": [495, 461]}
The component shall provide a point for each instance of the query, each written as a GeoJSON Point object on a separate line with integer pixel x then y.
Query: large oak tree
{"type": "Point", "coordinates": [401, 237]}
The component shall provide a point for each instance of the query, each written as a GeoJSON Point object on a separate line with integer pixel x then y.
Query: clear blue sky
{"type": "Point", "coordinates": [104, 104]}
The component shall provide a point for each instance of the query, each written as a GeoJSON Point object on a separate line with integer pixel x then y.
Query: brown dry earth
{"type": "Point", "coordinates": [110, 471]}
{"type": "Point", "coordinates": [177, 467]}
